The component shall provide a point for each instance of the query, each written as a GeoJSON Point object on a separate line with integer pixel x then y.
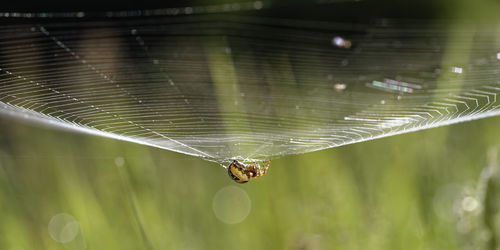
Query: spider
{"type": "Point", "coordinates": [242, 173]}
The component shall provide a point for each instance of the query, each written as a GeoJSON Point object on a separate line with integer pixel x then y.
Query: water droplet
{"type": "Point", "coordinates": [339, 87]}
{"type": "Point", "coordinates": [457, 70]}
{"type": "Point", "coordinates": [341, 42]}
{"type": "Point", "coordinates": [338, 41]}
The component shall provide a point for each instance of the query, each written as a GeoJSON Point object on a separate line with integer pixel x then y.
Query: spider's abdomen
{"type": "Point", "coordinates": [237, 172]}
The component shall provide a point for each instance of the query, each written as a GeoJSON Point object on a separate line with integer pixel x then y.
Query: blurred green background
{"type": "Point", "coordinates": [423, 190]}
{"type": "Point", "coordinates": [413, 191]}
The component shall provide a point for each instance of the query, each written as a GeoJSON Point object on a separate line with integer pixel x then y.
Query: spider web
{"type": "Point", "coordinates": [223, 85]}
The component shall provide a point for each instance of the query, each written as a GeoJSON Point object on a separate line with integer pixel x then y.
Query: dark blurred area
{"type": "Point", "coordinates": [334, 10]}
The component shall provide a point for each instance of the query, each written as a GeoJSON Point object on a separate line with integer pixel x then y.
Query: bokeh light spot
{"type": "Point", "coordinates": [119, 161]}
{"type": "Point", "coordinates": [470, 204]}
{"type": "Point", "coordinates": [63, 228]}
{"type": "Point", "coordinates": [231, 204]}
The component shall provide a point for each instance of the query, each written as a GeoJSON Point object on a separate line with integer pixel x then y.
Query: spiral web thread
{"type": "Point", "coordinates": [238, 86]}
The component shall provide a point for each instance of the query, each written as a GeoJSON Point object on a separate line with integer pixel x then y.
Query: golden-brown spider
{"type": "Point", "coordinates": [242, 173]}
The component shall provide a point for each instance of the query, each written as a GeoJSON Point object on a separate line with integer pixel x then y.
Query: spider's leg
{"type": "Point", "coordinates": [266, 166]}
{"type": "Point", "coordinates": [260, 171]}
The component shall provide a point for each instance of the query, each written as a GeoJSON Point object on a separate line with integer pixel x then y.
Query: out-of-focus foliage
{"type": "Point", "coordinates": [432, 189]}
{"type": "Point", "coordinates": [414, 191]}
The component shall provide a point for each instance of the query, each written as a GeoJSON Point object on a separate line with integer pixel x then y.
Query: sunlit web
{"type": "Point", "coordinates": [223, 83]}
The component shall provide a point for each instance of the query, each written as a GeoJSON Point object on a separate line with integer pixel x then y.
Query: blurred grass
{"type": "Point", "coordinates": [394, 193]}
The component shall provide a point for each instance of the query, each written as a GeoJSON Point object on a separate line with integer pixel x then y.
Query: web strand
{"type": "Point", "coordinates": [250, 88]}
